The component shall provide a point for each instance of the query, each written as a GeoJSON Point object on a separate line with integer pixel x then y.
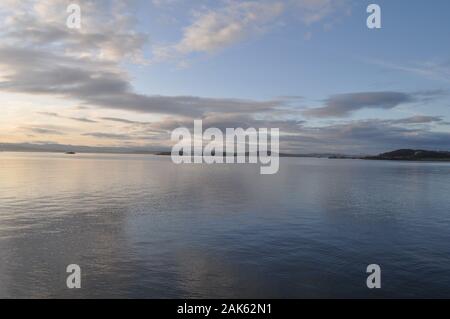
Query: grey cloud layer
{"type": "Point", "coordinates": [345, 104]}
{"type": "Point", "coordinates": [418, 119]}
{"type": "Point", "coordinates": [39, 72]}
{"type": "Point", "coordinates": [364, 137]}
{"type": "Point", "coordinates": [79, 119]}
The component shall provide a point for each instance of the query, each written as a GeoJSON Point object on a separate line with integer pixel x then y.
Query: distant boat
{"type": "Point", "coordinates": [70, 153]}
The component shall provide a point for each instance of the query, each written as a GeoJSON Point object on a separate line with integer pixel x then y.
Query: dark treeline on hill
{"type": "Point", "coordinates": [412, 155]}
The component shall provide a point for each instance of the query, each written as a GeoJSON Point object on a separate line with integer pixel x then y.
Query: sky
{"type": "Point", "coordinates": [136, 70]}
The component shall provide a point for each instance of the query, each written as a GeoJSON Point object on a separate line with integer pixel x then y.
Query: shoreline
{"type": "Point", "coordinates": [317, 156]}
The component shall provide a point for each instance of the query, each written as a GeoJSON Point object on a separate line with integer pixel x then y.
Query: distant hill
{"type": "Point", "coordinates": [412, 155]}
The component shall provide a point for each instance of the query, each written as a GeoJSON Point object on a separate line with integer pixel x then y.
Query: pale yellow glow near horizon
{"type": "Point", "coordinates": [21, 113]}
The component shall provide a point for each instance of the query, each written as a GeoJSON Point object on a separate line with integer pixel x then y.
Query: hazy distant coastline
{"type": "Point", "coordinates": [397, 155]}
{"type": "Point", "coordinates": [60, 148]}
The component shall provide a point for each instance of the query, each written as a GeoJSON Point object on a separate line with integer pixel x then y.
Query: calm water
{"type": "Point", "coordinates": [140, 226]}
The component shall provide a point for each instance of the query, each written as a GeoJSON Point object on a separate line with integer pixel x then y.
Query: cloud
{"type": "Point", "coordinates": [161, 3]}
{"type": "Point", "coordinates": [431, 70]}
{"type": "Point", "coordinates": [224, 121]}
{"type": "Point", "coordinates": [107, 31]}
{"type": "Point", "coordinates": [418, 119]}
{"type": "Point", "coordinates": [43, 131]}
{"type": "Point", "coordinates": [214, 29]}
{"type": "Point", "coordinates": [343, 105]}
{"type": "Point", "coordinates": [363, 137]}
{"type": "Point", "coordinates": [51, 114]}
{"type": "Point", "coordinates": [97, 83]}
{"type": "Point", "coordinates": [79, 119]}
{"type": "Point", "coordinates": [82, 119]}
{"type": "Point", "coordinates": [353, 137]}
{"type": "Point", "coordinates": [313, 11]}
{"type": "Point", "coordinates": [120, 120]}
{"type": "Point", "coordinates": [110, 136]}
